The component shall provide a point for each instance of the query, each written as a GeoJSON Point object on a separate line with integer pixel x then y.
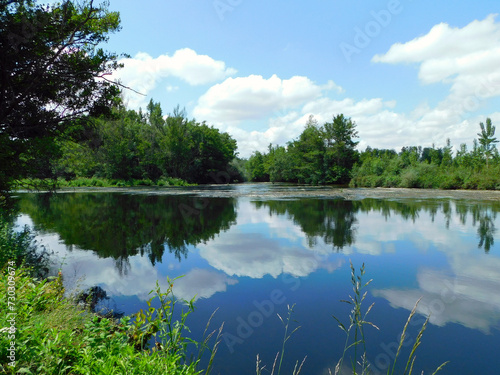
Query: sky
{"type": "Point", "coordinates": [407, 72]}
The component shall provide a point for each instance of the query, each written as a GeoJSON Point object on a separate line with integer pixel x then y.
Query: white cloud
{"type": "Point", "coordinates": [201, 283]}
{"type": "Point", "coordinates": [255, 97]}
{"type": "Point", "coordinates": [143, 72]}
{"type": "Point", "coordinates": [467, 58]}
{"type": "Point", "coordinates": [468, 293]}
{"type": "Point", "coordinates": [444, 43]}
{"type": "Point", "coordinates": [254, 255]}
{"type": "Point", "coordinates": [472, 301]}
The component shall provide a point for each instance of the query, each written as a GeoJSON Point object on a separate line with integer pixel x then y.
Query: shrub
{"type": "Point", "coordinates": [409, 179]}
{"type": "Point", "coordinates": [392, 181]}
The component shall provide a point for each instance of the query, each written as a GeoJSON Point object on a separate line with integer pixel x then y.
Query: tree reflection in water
{"type": "Point", "coordinates": [120, 225]}
{"type": "Point", "coordinates": [123, 225]}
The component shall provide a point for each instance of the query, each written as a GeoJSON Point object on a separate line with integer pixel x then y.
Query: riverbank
{"type": "Point", "coordinates": [278, 191]}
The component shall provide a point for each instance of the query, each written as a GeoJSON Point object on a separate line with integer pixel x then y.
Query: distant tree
{"type": "Point", "coordinates": [256, 168]}
{"type": "Point", "coordinates": [487, 139]}
{"type": "Point", "coordinates": [53, 78]}
{"type": "Point", "coordinates": [340, 154]}
{"type": "Point", "coordinates": [308, 152]}
{"type": "Point", "coordinates": [280, 165]}
{"type": "Point", "coordinates": [447, 159]}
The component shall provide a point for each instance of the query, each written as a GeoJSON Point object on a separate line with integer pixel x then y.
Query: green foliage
{"type": "Point", "coordinates": [256, 167]}
{"type": "Point", "coordinates": [50, 60]}
{"type": "Point", "coordinates": [147, 148]}
{"type": "Point", "coordinates": [487, 139]}
{"type": "Point", "coordinates": [320, 155]}
{"type": "Point", "coordinates": [340, 149]}
{"type": "Point", "coordinates": [20, 248]}
{"type": "Point", "coordinates": [432, 167]}
{"type": "Point", "coordinates": [54, 336]}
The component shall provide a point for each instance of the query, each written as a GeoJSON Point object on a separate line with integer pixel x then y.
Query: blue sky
{"type": "Point", "coordinates": [407, 72]}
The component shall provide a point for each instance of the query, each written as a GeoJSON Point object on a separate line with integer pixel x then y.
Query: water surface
{"type": "Point", "coordinates": [251, 250]}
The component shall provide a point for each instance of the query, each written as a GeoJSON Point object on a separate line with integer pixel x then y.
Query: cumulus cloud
{"type": "Point", "coordinates": [255, 97]}
{"type": "Point", "coordinates": [201, 283]}
{"type": "Point", "coordinates": [472, 301]}
{"type": "Point", "coordinates": [467, 58]}
{"type": "Point", "coordinates": [143, 72]}
{"type": "Point", "coordinates": [466, 293]}
{"type": "Point", "coordinates": [252, 255]}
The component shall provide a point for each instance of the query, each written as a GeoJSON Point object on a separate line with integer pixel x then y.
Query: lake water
{"type": "Point", "coordinates": [250, 250]}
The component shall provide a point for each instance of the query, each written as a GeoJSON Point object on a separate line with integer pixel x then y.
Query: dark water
{"type": "Point", "coordinates": [250, 255]}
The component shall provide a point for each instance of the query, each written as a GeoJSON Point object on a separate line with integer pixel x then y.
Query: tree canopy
{"type": "Point", "coordinates": [322, 154]}
{"type": "Point", "coordinates": [52, 78]}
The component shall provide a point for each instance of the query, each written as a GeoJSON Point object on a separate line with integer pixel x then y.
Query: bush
{"type": "Point", "coordinates": [453, 181]}
{"type": "Point", "coordinates": [409, 179]}
{"type": "Point", "coordinates": [392, 181]}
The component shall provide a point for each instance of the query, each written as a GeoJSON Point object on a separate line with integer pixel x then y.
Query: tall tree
{"type": "Point", "coordinates": [487, 139]}
{"type": "Point", "coordinates": [340, 148]}
{"type": "Point", "coordinates": [53, 76]}
{"type": "Point", "coordinates": [307, 153]}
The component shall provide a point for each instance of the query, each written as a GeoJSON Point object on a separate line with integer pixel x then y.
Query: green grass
{"type": "Point", "coordinates": [355, 344]}
{"type": "Point", "coordinates": [48, 184]}
{"type": "Point", "coordinates": [54, 336]}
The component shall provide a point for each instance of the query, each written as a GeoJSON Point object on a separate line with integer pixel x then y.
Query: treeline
{"type": "Point", "coordinates": [322, 154]}
{"type": "Point", "coordinates": [148, 148]}
{"type": "Point", "coordinates": [431, 167]}
{"type": "Point", "coordinates": [326, 155]}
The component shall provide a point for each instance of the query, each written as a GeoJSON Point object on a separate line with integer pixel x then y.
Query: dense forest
{"type": "Point", "coordinates": [149, 148]}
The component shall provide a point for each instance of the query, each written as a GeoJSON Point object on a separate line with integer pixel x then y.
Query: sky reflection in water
{"type": "Point", "coordinates": [251, 257]}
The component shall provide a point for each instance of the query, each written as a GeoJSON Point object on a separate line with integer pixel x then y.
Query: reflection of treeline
{"type": "Point", "coordinates": [122, 225]}
{"type": "Point", "coordinates": [331, 220]}
{"type": "Point", "coordinates": [335, 220]}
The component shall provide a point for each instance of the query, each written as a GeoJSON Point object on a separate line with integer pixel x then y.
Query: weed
{"type": "Point", "coordinates": [286, 337]}
{"type": "Point", "coordinates": [357, 320]}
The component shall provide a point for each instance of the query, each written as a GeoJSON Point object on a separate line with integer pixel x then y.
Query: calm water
{"type": "Point", "coordinates": [251, 250]}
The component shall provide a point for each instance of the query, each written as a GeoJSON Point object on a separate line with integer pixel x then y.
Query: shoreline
{"type": "Point", "coordinates": [289, 191]}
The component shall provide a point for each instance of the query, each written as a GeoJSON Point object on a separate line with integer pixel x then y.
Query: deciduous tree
{"type": "Point", "coordinates": [53, 77]}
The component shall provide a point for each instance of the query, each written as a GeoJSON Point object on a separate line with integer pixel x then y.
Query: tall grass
{"type": "Point", "coordinates": [286, 336]}
{"type": "Point", "coordinates": [357, 321]}
{"type": "Point", "coordinates": [355, 350]}
{"type": "Point", "coordinates": [55, 336]}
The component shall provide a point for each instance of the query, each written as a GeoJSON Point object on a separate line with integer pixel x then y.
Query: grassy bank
{"type": "Point", "coordinates": [55, 336]}
{"type": "Point", "coordinates": [38, 184]}
{"type": "Point", "coordinates": [45, 331]}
